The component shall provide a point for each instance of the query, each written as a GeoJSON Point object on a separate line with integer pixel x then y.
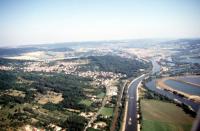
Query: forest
{"type": "Point", "coordinates": [116, 64]}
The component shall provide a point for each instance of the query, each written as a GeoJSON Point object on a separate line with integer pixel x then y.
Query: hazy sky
{"type": "Point", "coordinates": [42, 21]}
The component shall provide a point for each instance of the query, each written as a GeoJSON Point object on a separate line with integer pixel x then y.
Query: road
{"type": "Point", "coordinates": [131, 119]}
{"type": "Point", "coordinates": [98, 112]}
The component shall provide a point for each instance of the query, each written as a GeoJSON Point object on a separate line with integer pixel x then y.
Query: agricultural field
{"type": "Point", "coordinates": [86, 102]}
{"type": "Point", "coordinates": [40, 99]}
{"type": "Point", "coordinates": [62, 94]}
{"type": "Point", "coordinates": [158, 115]}
{"type": "Point", "coordinates": [107, 111]}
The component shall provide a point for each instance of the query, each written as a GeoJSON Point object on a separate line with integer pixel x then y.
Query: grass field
{"type": "Point", "coordinates": [86, 102]}
{"type": "Point", "coordinates": [107, 111]}
{"type": "Point", "coordinates": [163, 116]}
{"type": "Point", "coordinates": [101, 95]}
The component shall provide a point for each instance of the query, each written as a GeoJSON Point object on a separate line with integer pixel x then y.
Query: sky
{"type": "Point", "coordinates": [49, 21]}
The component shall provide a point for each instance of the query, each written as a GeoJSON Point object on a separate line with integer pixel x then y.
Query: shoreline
{"type": "Point", "coordinates": [161, 84]}
{"type": "Point", "coordinates": [186, 82]}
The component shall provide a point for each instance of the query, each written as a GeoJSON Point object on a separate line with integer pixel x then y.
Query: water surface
{"type": "Point", "coordinates": [192, 79]}
{"type": "Point", "coordinates": [183, 87]}
{"type": "Point", "coordinates": [151, 85]}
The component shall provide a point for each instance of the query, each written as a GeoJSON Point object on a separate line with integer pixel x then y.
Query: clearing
{"type": "Point", "coordinates": [86, 102]}
{"type": "Point", "coordinates": [106, 111]}
{"type": "Point", "coordinates": [50, 96]}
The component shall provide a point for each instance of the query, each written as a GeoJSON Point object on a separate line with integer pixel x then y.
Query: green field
{"type": "Point", "coordinates": [86, 102]}
{"type": "Point", "coordinates": [107, 111]}
{"type": "Point", "coordinates": [101, 95]}
{"type": "Point", "coordinates": [163, 116]}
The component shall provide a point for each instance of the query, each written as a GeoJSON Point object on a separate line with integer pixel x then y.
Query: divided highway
{"type": "Point", "coordinates": [131, 119]}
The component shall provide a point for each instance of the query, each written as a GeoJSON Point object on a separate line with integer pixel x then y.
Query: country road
{"type": "Point", "coordinates": [131, 119]}
{"type": "Point", "coordinates": [98, 112]}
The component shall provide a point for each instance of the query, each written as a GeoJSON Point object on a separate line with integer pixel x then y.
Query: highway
{"type": "Point", "coordinates": [131, 120]}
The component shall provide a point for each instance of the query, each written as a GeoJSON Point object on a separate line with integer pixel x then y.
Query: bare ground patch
{"type": "Point", "coordinates": [50, 96]}
{"type": "Point", "coordinates": [15, 93]}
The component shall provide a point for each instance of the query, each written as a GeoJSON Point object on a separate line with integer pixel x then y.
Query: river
{"type": "Point", "coordinates": [183, 87]}
{"type": "Point", "coordinates": [152, 86]}
{"type": "Point", "coordinates": [192, 79]}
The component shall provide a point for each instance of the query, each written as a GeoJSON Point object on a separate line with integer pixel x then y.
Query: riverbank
{"type": "Point", "coordinates": [180, 79]}
{"type": "Point", "coordinates": [161, 84]}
